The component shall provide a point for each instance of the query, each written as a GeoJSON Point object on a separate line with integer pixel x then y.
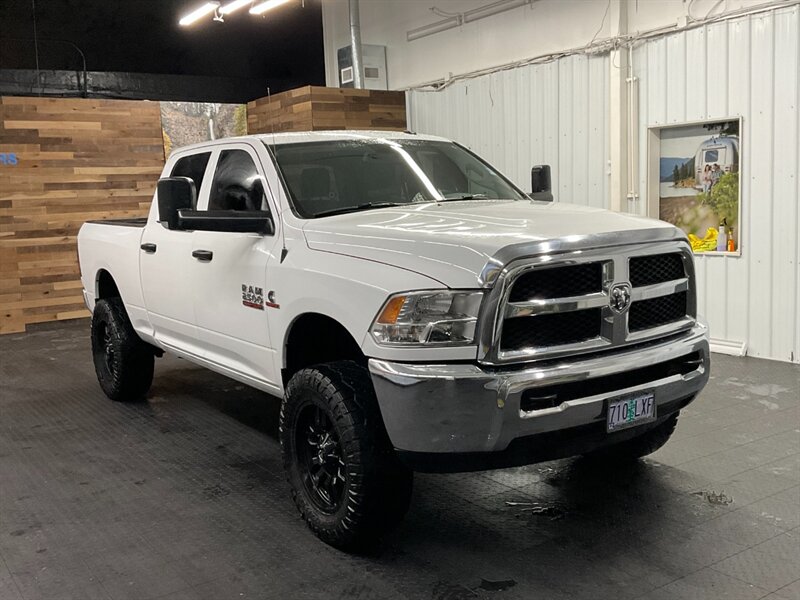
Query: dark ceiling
{"type": "Point", "coordinates": [283, 48]}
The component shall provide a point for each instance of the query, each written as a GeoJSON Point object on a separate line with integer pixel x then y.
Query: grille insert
{"type": "Point", "coordinates": [647, 270]}
{"type": "Point", "coordinates": [646, 314]}
{"type": "Point", "coordinates": [559, 282]}
{"type": "Point", "coordinates": [550, 330]}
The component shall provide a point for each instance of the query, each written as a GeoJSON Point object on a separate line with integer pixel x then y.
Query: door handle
{"type": "Point", "coordinates": [204, 255]}
{"type": "Point", "coordinates": [149, 248]}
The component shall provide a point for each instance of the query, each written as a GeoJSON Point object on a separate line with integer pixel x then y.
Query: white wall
{"type": "Point", "coordinates": [747, 67]}
{"type": "Point", "coordinates": [554, 114]}
{"type": "Point", "coordinates": [542, 27]}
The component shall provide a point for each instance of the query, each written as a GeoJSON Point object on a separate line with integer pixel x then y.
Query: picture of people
{"type": "Point", "coordinates": [699, 183]}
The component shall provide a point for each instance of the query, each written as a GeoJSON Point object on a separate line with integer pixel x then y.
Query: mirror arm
{"type": "Point", "coordinates": [226, 220]}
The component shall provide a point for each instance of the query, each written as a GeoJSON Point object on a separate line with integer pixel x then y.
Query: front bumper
{"type": "Point", "coordinates": [467, 409]}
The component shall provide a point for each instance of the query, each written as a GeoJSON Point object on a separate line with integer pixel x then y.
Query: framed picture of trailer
{"type": "Point", "coordinates": [694, 182]}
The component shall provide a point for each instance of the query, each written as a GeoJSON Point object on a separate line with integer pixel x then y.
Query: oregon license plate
{"type": "Point", "coordinates": [631, 411]}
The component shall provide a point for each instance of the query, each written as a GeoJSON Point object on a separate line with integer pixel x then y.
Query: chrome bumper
{"type": "Point", "coordinates": [463, 408]}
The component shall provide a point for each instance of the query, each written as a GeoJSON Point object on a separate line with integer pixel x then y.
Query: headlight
{"type": "Point", "coordinates": [428, 318]}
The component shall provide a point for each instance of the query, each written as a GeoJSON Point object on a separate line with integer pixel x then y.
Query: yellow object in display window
{"type": "Point", "coordinates": [706, 244]}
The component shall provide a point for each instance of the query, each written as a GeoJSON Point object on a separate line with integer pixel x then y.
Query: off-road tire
{"type": "Point", "coordinates": [376, 487]}
{"type": "Point", "coordinates": [641, 445]}
{"type": "Point", "coordinates": [122, 361]}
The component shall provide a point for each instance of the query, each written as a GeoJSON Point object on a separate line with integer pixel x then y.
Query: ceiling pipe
{"type": "Point", "coordinates": [355, 45]}
{"type": "Point", "coordinates": [453, 20]}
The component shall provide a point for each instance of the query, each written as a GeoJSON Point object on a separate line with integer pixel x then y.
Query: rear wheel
{"type": "Point", "coordinates": [347, 482]}
{"type": "Point", "coordinates": [641, 445]}
{"type": "Point", "coordinates": [122, 361]}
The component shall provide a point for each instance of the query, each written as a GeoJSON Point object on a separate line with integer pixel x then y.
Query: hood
{"type": "Point", "coordinates": [453, 241]}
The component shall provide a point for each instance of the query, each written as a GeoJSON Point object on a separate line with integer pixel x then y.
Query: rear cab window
{"type": "Point", "coordinates": [192, 166]}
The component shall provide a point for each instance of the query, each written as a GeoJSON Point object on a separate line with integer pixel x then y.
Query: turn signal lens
{"type": "Point", "coordinates": [391, 311]}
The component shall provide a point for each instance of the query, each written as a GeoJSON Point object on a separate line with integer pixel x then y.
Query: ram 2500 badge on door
{"type": "Point", "coordinates": [410, 305]}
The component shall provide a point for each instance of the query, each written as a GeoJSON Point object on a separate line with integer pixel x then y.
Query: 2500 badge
{"type": "Point", "coordinates": [252, 296]}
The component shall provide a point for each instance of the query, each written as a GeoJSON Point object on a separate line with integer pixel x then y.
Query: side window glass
{"type": "Point", "coordinates": [237, 184]}
{"type": "Point", "coordinates": [193, 167]}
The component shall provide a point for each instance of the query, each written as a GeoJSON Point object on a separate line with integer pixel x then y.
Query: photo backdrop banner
{"type": "Point", "coordinates": [184, 123]}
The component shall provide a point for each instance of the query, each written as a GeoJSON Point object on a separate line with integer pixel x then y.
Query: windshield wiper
{"type": "Point", "coordinates": [451, 197]}
{"type": "Point", "coordinates": [349, 209]}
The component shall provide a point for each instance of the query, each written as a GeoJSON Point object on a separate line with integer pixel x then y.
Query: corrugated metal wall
{"type": "Point", "coordinates": [555, 113]}
{"type": "Point", "coordinates": [747, 67]}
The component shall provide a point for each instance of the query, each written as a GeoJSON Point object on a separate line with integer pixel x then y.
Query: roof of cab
{"type": "Point", "coordinates": [315, 136]}
{"type": "Point", "coordinates": [338, 135]}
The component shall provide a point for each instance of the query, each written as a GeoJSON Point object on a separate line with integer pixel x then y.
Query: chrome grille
{"type": "Point", "coordinates": [560, 305]}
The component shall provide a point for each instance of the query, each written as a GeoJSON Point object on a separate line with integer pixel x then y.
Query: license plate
{"type": "Point", "coordinates": [631, 411]}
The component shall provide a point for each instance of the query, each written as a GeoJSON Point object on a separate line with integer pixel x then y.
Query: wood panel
{"type": "Point", "coordinates": [76, 159]}
{"type": "Point", "coordinates": [313, 108]}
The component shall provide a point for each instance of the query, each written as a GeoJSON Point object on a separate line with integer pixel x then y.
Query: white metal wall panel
{"type": "Point", "coordinates": [554, 113]}
{"type": "Point", "coordinates": [747, 67]}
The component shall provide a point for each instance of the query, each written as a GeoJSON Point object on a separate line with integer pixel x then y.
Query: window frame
{"type": "Point", "coordinates": [203, 177]}
{"type": "Point", "coordinates": [205, 197]}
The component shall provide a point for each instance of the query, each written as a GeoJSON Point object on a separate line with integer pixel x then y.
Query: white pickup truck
{"type": "Point", "coordinates": [410, 305]}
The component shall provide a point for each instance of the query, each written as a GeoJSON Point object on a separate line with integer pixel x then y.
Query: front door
{"type": "Point", "coordinates": [165, 258]}
{"type": "Point", "coordinates": [229, 271]}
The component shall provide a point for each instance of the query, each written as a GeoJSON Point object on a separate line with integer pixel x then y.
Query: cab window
{"type": "Point", "coordinates": [237, 184]}
{"type": "Point", "coordinates": [193, 167]}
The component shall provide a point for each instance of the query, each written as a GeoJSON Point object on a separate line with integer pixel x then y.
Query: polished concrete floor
{"type": "Point", "coordinates": [183, 497]}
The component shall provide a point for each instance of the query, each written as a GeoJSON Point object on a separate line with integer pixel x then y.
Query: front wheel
{"type": "Point", "coordinates": [122, 361]}
{"type": "Point", "coordinates": [346, 480]}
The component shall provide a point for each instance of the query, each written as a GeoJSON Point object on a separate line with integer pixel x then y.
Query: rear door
{"type": "Point", "coordinates": [165, 260]}
{"type": "Point", "coordinates": [229, 272]}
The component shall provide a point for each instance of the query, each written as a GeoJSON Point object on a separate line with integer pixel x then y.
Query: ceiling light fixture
{"type": "Point", "coordinates": [260, 9]}
{"type": "Point", "coordinates": [206, 9]}
{"type": "Point", "coordinates": [231, 7]}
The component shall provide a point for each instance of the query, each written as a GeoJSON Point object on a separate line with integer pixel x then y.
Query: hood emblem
{"type": "Point", "coordinates": [619, 297]}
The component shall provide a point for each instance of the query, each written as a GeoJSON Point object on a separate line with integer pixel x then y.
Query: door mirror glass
{"type": "Point", "coordinates": [174, 194]}
{"type": "Point", "coordinates": [540, 183]}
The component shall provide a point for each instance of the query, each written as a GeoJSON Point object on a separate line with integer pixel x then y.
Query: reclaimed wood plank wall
{"type": "Point", "coordinates": [314, 108]}
{"type": "Point", "coordinates": [75, 160]}
{"type": "Point", "coordinates": [81, 159]}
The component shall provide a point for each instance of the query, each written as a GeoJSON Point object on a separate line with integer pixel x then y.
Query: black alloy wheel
{"type": "Point", "coordinates": [321, 459]}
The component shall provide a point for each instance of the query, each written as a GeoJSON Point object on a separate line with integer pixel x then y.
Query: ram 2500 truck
{"type": "Point", "coordinates": [410, 305]}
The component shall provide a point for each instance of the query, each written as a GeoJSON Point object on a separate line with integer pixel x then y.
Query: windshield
{"type": "Point", "coordinates": [339, 176]}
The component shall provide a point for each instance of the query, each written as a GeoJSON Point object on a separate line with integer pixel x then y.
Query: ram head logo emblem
{"type": "Point", "coordinates": [619, 297]}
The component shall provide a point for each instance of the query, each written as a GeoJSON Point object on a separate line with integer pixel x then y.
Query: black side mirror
{"type": "Point", "coordinates": [174, 194]}
{"type": "Point", "coordinates": [540, 183]}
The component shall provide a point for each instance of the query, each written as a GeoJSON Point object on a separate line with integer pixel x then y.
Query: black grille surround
{"type": "Point", "coordinates": [655, 268]}
{"type": "Point", "coordinates": [655, 312]}
{"type": "Point", "coordinates": [551, 330]}
{"type": "Point", "coordinates": [558, 282]}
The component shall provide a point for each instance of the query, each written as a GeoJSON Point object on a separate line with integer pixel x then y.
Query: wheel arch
{"type": "Point", "coordinates": [106, 286]}
{"type": "Point", "coordinates": [314, 338]}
